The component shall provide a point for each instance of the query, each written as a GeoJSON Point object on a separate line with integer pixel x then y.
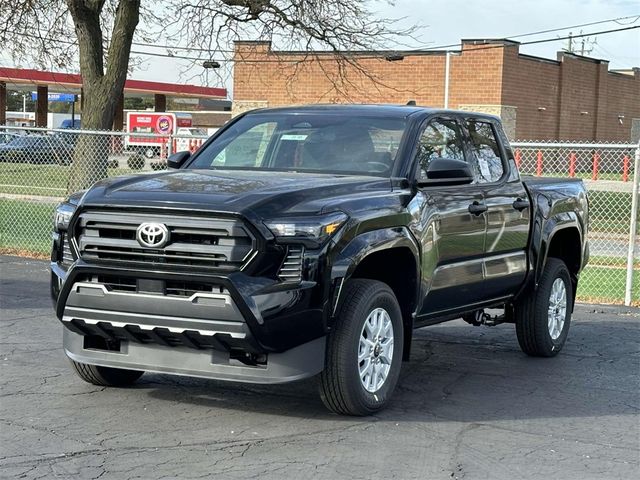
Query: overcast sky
{"type": "Point", "coordinates": [445, 22]}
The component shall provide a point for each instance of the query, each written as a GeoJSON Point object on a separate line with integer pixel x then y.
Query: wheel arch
{"type": "Point", "coordinates": [390, 256]}
{"type": "Point", "coordinates": [564, 243]}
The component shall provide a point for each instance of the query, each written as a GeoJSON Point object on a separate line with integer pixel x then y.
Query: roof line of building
{"type": "Point", "coordinates": [40, 77]}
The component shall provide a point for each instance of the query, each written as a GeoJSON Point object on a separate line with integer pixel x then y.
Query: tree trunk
{"type": "Point", "coordinates": [101, 88]}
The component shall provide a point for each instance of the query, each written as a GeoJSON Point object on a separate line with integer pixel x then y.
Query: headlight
{"type": "Point", "coordinates": [307, 229]}
{"type": "Point", "coordinates": [62, 216]}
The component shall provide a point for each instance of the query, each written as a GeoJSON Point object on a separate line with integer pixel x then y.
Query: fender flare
{"type": "Point", "coordinates": [361, 246]}
{"type": "Point", "coordinates": [553, 226]}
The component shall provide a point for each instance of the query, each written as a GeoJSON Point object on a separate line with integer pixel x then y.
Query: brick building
{"type": "Point", "coordinates": [571, 98]}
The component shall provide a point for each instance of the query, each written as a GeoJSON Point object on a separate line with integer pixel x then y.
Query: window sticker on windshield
{"type": "Point", "coordinates": [291, 136]}
{"type": "Point", "coordinates": [484, 168]}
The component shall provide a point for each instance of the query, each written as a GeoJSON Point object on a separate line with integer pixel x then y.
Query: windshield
{"type": "Point", "coordinates": [324, 143]}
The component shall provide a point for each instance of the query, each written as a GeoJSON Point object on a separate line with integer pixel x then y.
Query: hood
{"type": "Point", "coordinates": [262, 193]}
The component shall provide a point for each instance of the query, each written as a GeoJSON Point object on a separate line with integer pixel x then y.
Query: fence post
{"type": "Point", "coordinates": [572, 164]}
{"type": "Point", "coordinates": [625, 168]}
{"type": "Point", "coordinates": [539, 164]}
{"type": "Point", "coordinates": [596, 160]}
{"type": "Point", "coordinates": [632, 228]}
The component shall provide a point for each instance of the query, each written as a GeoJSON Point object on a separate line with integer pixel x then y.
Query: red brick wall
{"type": "Point", "coordinates": [533, 87]}
{"type": "Point", "coordinates": [284, 79]}
{"type": "Point", "coordinates": [550, 96]}
{"type": "Point", "coordinates": [581, 98]}
{"type": "Point", "coordinates": [623, 94]}
{"type": "Point", "coordinates": [293, 78]}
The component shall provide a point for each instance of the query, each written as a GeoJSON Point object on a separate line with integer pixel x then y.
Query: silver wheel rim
{"type": "Point", "coordinates": [557, 308]}
{"type": "Point", "coordinates": [375, 350]}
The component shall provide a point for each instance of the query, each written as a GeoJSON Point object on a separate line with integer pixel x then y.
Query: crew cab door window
{"type": "Point", "coordinates": [486, 161]}
{"type": "Point", "coordinates": [441, 138]}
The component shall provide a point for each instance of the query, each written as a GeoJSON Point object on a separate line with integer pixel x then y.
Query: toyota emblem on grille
{"type": "Point", "coordinates": [152, 235]}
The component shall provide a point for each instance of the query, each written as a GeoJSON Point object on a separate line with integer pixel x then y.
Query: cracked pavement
{"type": "Point", "coordinates": [469, 405]}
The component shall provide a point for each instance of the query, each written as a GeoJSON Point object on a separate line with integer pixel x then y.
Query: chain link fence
{"type": "Point", "coordinates": [609, 173]}
{"type": "Point", "coordinates": [39, 167]}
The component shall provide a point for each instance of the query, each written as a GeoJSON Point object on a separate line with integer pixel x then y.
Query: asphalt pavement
{"type": "Point", "coordinates": [469, 405]}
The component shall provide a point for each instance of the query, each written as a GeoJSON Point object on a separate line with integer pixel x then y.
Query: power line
{"type": "Point", "coordinates": [539, 32]}
{"type": "Point", "coordinates": [382, 54]}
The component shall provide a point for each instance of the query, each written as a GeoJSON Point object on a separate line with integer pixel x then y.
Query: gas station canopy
{"type": "Point", "coordinates": [19, 78]}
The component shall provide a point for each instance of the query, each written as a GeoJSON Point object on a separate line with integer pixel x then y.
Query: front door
{"type": "Point", "coordinates": [451, 230]}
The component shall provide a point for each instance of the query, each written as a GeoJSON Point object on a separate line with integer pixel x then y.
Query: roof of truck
{"type": "Point", "coordinates": [390, 110]}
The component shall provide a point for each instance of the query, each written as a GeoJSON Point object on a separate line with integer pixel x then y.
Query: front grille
{"type": "Point", "coordinates": [291, 269]}
{"type": "Point", "coordinates": [194, 243]}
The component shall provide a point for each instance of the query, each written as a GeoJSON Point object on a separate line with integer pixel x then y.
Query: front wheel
{"type": "Point", "coordinates": [364, 351]}
{"type": "Point", "coordinates": [106, 376]}
{"type": "Point", "coordinates": [543, 316]}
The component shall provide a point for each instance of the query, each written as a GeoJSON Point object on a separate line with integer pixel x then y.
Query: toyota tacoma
{"type": "Point", "coordinates": [310, 241]}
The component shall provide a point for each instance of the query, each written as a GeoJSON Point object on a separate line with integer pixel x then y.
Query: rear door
{"type": "Point", "coordinates": [506, 200]}
{"type": "Point", "coordinates": [452, 237]}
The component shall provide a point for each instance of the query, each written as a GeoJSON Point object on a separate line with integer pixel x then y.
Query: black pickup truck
{"type": "Point", "coordinates": [312, 241]}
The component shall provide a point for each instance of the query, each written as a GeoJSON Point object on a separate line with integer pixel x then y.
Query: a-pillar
{"type": "Point", "coordinates": [118, 118]}
{"type": "Point", "coordinates": [3, 103]}
{"type": "Point", "coordinates": [42, 106]}
{"type": "Point", "coordinates": [160, 102]}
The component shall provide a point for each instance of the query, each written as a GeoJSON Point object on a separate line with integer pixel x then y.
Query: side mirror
{"type": "Point", "coordinates": [177, 159]}
{"type": "Point", "coordinates": [446, 171]}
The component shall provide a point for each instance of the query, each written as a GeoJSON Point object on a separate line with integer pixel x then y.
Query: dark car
{"type": "Point", "coordinates": [6, 137]}
{"type": "Point", "coordinates": [38, 149]}
{"type": "Point", "coordinates": [312, 241]}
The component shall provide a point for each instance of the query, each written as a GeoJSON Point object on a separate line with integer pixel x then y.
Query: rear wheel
{"type": "Point", "coordinates": [364, 351]}
{"type": "Point", "coordinates": [105, 376]}
{"type": "Point", "coordinates": [543, 316]}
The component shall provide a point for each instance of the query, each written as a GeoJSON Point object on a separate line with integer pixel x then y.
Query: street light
{"type": "Point", "coordinates": [211, 64]}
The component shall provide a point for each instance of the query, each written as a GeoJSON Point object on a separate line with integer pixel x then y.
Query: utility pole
{"type": "Point", "coordinates": [587, 46]}
{"type": "Point", "coordinates": [570, 43]}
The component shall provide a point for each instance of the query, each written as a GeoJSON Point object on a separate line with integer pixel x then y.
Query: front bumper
{"type": "Point", "coordinates": [280, 326]}
{"type": "Point", "coordinates": [295, 364]}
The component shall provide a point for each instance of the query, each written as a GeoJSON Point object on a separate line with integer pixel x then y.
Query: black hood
{"type": "Point", "coordinates": [262, 193]}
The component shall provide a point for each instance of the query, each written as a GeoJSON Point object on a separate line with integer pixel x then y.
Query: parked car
{"type": "Point", "coordinates": [71, 124]}
{"type": "Point", "coordinates": [312, 241]}
{"type": "Point", "coordinates": [39, 149]}
{"type": "Point", "coordinates": [6, 137]}
{"type": "Point", "coordinates": [189, 138]}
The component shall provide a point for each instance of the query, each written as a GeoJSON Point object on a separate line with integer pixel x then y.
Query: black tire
{"type": "Point", "coordinates": [532, 313]}
{"type": "Point", "coordinates": [341, 389]}
{"type": "Point", "coordinates": [106, 376]}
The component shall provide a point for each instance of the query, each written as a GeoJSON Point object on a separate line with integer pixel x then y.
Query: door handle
{"type": "Point", "coordinates": [520, 204]}
{"type": "Point", "coordinates": [477, 208]}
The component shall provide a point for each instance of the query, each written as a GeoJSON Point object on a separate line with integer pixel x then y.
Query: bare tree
{"type": "Point", "coordinates": [97, 36]}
